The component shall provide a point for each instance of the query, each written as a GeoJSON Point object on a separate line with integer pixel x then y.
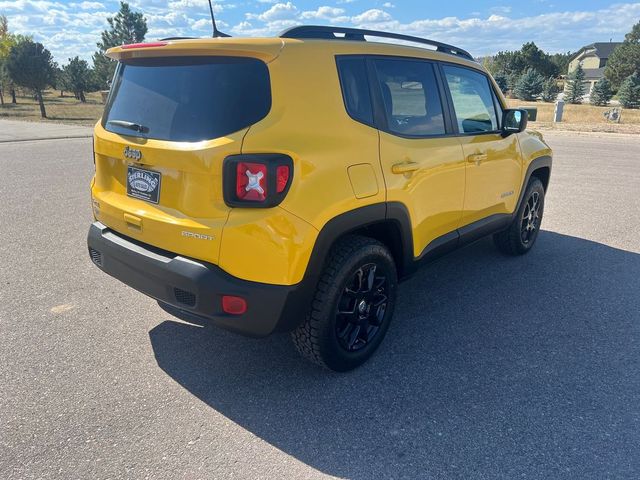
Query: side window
{"type": "Point", "coordinates": [411, 98]}
{"type": "Point", "coordinates": [355, 88]}
{"type": "Point", "coordinates": [472, 100]}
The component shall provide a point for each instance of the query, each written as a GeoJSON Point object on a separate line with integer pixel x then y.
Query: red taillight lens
{"type": "Point", "coordinates": [234, 305]}
{"type": "Point", "coordinates": [251, 181]}
{"type": "Point", "coordinates": [282, 178]}
{"type": "Point", "coordinates": [256, 180]}
{"type": "Point", "coordinates": [144, 45]}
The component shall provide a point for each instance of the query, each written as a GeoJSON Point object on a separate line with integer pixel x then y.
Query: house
{"type": "Point", "coordinates": [593, 59]}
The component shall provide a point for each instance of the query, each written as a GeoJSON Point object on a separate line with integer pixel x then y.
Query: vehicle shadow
{"type": "Point", "coordinates": [494, 367]}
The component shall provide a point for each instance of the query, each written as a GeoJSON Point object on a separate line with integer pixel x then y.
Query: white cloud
{"type": "Point", "coordinates": [371, 16]}
{"type": "Point", "coordinates": [280, 11]}
{"type": "Point", "coordinates": [323, 13]}
{"type": "Point", "coordinates": [87, 5]}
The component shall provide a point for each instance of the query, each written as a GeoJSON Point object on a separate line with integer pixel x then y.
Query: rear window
{"type": "Point", "coordinates": [187, 99]}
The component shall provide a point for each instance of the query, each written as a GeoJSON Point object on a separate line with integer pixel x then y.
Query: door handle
{"type": "Point", "coordinates": [405, 167]}
{"type": "Point", "coordinates": [477, 158]}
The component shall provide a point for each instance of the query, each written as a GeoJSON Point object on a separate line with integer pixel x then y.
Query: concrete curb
{"type": "Point", "coordinates": [17, 140]}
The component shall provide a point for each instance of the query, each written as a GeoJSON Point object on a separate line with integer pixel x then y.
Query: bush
{"type": "Point", "coordinates": [550, 90]}
{"type": "Point", "coordinates": [529, 86]}
{"type": "Point", "coordinates": [601, 93]}
{"type": "Point", "coordinates": [629, 93]}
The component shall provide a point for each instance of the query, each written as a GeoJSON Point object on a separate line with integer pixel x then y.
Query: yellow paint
{"type": "Point", "coordinates": [363, 180]}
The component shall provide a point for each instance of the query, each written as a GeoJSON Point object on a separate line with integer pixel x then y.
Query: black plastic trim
{"type": "Point", "coordinates": [543, 161]}
{"type": "Point", "coordinates": [157, 273]}
{"type": "Point", "coordinates": [272, 161]}
{"type": "Point", "coordinates": [358, 34]}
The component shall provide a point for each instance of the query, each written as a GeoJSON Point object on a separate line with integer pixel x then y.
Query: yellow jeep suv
{"type": "Point", "coordinates": [287, 184]}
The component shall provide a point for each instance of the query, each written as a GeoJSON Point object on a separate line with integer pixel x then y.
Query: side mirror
{"type": "Point", "coordinates": [514, 121]}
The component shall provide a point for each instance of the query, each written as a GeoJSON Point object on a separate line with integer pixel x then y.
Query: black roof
{"type": "Point", "coordinates": [602, 49]}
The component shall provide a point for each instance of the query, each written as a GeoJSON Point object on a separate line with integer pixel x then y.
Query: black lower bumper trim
{"type": "Point", "coordinates": [195, 287]}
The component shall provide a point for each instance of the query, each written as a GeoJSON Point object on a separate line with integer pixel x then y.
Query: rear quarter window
{"type": "Point", "coordinates": [355, 88]}
{"type": "Point", "coordinates": [188, 99]}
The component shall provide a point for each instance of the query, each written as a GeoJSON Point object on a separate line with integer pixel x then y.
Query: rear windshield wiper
{"type": "Point", "coordinates": [130, 125]}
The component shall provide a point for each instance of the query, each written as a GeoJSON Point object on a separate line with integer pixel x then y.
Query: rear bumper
{"type": "Point", "coordinates": [193, 287]}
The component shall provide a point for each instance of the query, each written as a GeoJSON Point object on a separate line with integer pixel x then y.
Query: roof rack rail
{"type": "Point", "coordinates": [178, 38]}
{"type": "Point", "coordinates": [358, 34]}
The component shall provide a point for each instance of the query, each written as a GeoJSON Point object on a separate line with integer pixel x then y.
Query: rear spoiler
{"type": "Point", "coordinates": [266, 49]}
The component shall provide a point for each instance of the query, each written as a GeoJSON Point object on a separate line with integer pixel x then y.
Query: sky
{"type": "Point", "coordinates": [72, 27]}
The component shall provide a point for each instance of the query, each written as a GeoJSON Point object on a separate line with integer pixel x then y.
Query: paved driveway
{"type": "Point", "coordinates": [494, 367]}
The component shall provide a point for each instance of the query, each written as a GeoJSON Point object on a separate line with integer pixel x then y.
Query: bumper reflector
{"type": "Point", "coordinates": [234, 305]}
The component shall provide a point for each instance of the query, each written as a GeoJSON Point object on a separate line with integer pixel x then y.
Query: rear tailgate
{"type": "Point", "coordinates": [190, 212]}
{"type": "Point", "coordinates": [168, 125]}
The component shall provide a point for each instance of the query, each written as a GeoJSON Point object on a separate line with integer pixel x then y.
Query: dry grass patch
{"type": "Point", "coordinates": [59, 109]}
{"type": "Point", "coordinates": [586, 118]}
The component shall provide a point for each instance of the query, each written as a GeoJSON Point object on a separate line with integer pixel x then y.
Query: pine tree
{"type": "Point", "coordinates": [529, 86]}
{"type": "Point", "coordinates": [30, 65]}
{"type": "Point", "coordinates": [126, 27]}
{"type": "Point", "coordinates": [501, 81]}
{"type": "Point", "coordinates": [625, 59]}
{"type": "Point", "coordinates": [629, 93]}
{"type": "Point", "coordinates": [77, 77]}
{"type": "Point", "coordinates": [601, 93]}
{"type": "Point", "coordinates": [550, 90]}
{"type": "Point", "coordinates": [574, 89]}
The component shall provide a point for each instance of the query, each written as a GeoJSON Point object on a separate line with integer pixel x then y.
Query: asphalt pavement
{"type": "Point", "coordinates": [494, 367]}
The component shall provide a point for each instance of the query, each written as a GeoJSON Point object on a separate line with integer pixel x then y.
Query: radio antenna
{"type": "Point", "coordinates": [216, 33]}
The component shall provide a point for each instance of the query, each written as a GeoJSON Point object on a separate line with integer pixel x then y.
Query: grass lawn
{"type": "Point", "coordinates": [584, 118]}
{"type": "Point", "coordinates": [59, 109]}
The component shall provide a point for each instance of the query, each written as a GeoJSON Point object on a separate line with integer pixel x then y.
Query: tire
{"type": "Point", "coordinates": [521, 235]}
{"type": "Point", "coordinates": [346, 323]}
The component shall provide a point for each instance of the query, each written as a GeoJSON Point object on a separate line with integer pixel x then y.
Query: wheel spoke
{"type": "Point", "coordinates": [380, 281]}
{"type": "Point", "coordinates": [349, 308]}
{"type": "Point", "coordinates": [379, 299]}
{"type": "Point", "coordinates": [371, 277]}
{"type": "Point", "coordinates": [353, 337]}
{"type": "Point", "coordinates": [377, 315]}
{"type": "Point", "coordinates": [344, 332]}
